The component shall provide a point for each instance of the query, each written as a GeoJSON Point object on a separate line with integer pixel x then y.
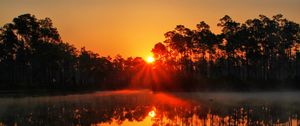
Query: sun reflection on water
{"type": "Point", "coordinates": [142, 108]}
{"type": "Point", "coordinates": [152, 113]}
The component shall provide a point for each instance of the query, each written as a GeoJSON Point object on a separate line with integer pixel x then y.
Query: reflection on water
{"type": "Point", "coordinates": [144, 108]}
{"type": "Point", "coordinates": [152, 113]}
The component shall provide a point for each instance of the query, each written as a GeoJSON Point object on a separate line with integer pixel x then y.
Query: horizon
{"type": "Point", "coordinates": [149, 62]}
{"type": "Point", "coordinates": [102, 28]}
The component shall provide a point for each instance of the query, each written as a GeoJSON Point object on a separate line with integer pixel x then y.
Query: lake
{"type": "Point", "coordinates": [147, 108]}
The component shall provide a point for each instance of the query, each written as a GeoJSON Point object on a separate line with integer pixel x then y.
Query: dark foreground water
{"type": "Point", "coordinates": [145, 108]}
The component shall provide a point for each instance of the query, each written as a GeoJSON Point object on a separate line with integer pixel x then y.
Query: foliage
{"type": "Point", "coordinates": [244, 56]}
{"type": "Point", "coordinates": [260, 50]}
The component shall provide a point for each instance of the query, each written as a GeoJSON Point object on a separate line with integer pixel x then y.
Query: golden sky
{"type": "Point", "coordinates": [132, 27]}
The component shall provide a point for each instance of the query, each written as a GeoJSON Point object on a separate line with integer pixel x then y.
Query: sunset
{"type": "Point", "coordinates": [132, 27]}
{"type": "Point", "coordinates": [149, 63]}
{"type": "Point", "coordinates": [150, 59]}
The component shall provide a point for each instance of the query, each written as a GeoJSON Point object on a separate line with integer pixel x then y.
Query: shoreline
{"type": "Point", "coordinates": [63, 92]}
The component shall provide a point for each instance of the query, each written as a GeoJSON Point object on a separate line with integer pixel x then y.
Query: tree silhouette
{"type": "Point", "coordinates": [243, 56]}
{"type": "Point", "coordinates": [260, 50]}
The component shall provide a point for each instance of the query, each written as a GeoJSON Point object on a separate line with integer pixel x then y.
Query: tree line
{"type": "Point", "coordinates": [33, 55]}
{"type": "Point", "coordinates": [262, 53]}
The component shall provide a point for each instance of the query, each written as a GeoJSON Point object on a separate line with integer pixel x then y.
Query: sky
{"type": "Point", "coordinates": [132, 27]}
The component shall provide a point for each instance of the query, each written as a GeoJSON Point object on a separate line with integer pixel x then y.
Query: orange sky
{"type": "Point", "coordinates": [132, 27]}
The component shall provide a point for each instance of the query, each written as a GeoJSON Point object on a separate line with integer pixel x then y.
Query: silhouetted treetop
{"type": "Point", "coordinates": [261, 49]}
{"type": "Point", "coordinates": [243, 56]}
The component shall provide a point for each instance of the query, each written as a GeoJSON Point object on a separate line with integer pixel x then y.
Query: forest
{"type": "Point", "coordinates": [262, 53]}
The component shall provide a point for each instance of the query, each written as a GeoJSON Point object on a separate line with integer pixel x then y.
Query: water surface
{"type": "Point", "coordinates": [145, 108]}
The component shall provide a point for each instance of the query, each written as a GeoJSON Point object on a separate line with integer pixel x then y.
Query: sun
{"type": "Point", "coordinates": [150, 59]}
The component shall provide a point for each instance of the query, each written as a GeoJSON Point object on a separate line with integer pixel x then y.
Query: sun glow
{"type": "Point", "coordinates": [150, 59]}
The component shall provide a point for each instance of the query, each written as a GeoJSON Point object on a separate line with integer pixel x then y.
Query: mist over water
{"type": "Point", "coordinates": [144, 107]}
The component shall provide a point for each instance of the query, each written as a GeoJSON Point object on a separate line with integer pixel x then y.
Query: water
{"type": "Point", "coordinates": [145, 108]}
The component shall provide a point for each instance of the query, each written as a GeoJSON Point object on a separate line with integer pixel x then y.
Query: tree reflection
{"type": "Point", "coordinates": [115, 112]}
